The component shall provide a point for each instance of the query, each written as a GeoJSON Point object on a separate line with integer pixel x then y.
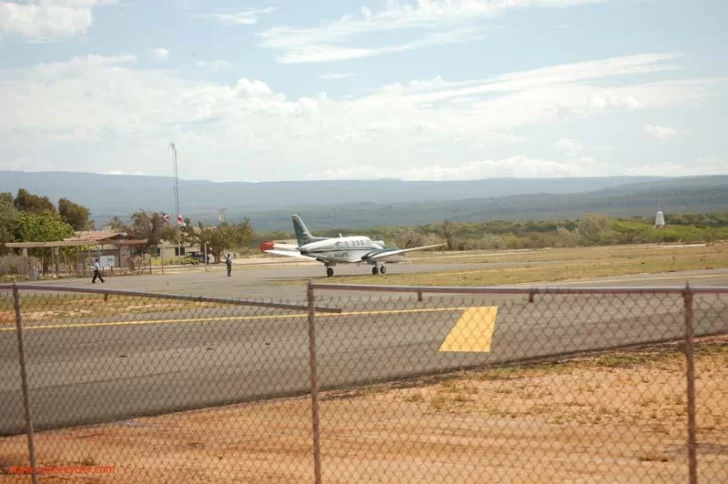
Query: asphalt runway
{"type": "Point", "coordinates": [278, 282]}
{"type": "Point", "coordinates": [89, 370]}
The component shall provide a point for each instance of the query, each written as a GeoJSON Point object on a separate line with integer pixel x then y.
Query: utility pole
{"type": "Point", "coordinates": [176, 201]}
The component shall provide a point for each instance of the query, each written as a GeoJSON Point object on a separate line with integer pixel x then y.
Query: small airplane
{"type": "Point", "coordinates": [331, 251]}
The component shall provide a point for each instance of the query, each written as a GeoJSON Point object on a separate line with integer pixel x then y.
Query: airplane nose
{"type": "Point", "coordinates": [266, 245]}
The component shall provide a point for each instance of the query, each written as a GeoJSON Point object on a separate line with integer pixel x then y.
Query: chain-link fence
{"type": "Point", "coordinates": [366, 384]}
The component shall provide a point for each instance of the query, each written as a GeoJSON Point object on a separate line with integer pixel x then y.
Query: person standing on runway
{"type": "Point", "coordinates": [97, 272]}
{"type": "Point", "coordinates": [229, 263]}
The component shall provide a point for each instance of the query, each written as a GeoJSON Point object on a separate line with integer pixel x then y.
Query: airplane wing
{"type": "Point", "coordinates": [289, 253]}
{"type": "Point", "coordinates": [390, 252]}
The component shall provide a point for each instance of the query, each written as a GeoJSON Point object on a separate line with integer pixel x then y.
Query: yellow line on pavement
{"type": "Point", "coordinates": [27, 327]}
{"type": "Point", "coordinates": [473, 332]}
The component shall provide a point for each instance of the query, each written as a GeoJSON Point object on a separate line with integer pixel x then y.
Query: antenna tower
{"type": "Point", "coordinates": [176, 199]}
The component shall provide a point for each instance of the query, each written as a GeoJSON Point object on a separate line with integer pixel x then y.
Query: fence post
{"type": "Point", "coordinates": [689, 341]}
{"type": "Point", "coordinates": [24, 382]}
{"type": "Point", "coordinates": [314, 383]}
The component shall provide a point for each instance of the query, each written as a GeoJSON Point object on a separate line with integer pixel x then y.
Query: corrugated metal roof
{"type": "Point", "coordinates": [95, 237]}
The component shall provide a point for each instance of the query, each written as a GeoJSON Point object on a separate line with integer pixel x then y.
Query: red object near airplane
{"type": "Point", "coordinates": [267, 245]}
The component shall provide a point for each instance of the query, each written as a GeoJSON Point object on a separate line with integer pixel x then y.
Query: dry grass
{"type": "Point", "coordinates": [556, 265]}
{"type": "Point", "coordinates": [614, 418]}
{"type": "Point", "coordinates": [48, 307]}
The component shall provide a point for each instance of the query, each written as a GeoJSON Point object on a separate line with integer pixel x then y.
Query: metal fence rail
{"type": "Point", "coordinates": [366, 383]}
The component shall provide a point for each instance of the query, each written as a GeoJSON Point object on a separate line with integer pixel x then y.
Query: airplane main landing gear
{"type": "Point", "coordinates": [329, 271]}
{"type": "Point", "coordinates": [376, 270]}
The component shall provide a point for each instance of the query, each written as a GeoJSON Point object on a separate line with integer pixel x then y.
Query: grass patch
{"type": "Point", "coordinates": [414, 398]}
{"type": "Point", "coordinates": [628, 360]}
{"type": "Point", "coordinates": [37, 306]}
{"type": "Point", "coordinates": [653, 458]}
{"type": "Point", "coordinates": [639, 388]}
{"type": "Point", "coordinates": [554, 265]}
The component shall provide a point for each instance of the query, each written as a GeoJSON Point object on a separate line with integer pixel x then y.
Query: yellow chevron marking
{"type": "Point", "coordinates": [473, 332]}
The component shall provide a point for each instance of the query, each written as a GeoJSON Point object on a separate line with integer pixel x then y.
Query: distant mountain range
{"type": "Point", "coordinates": [369, 203]}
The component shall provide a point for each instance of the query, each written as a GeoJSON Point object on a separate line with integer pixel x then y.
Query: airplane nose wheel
{"type": "Point", "coordinates": [329, 271]}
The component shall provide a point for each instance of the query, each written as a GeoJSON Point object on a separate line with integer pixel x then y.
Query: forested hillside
{"type": "Point", "coordinates": [640, 201]}
{"type": "Point", "coordinates": [590, 229]}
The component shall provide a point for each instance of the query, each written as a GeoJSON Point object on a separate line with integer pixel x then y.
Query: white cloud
{"type": "Point", "coordinates": [108, 112]}
{"type": "Point", "coordinates": [79, 65]}
{"type": "Point", "coordinates": [47, 20]}
{"type": "Point", "coordinates": [119, 172]}
{"type": "Point", "coordinates": [17, 164]}
{"type": "Point", "coordinates": [568, 146]}
{"type": "Point", "coordinates": [551, 81]}
{"type": "Point", "coordinates": [325, 53]}
{"type": "Point", "coordinates": [295, 42]}
{"type": "Point", "coordinates": [243, 17]}
{"type": "Point", "coordinates": [609, 101]}
{"type": "Point", "coordinates": [160, 53]}
{"type": "Point", "coordinates": [336, 75]}
{"type": "Point", "coordinates": [660, 132]}
{"type": "Point", "coordinates": [216, 65]}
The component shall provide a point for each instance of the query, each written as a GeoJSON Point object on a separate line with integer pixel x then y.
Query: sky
{"type": "Point", "coordinates": [364, 89]}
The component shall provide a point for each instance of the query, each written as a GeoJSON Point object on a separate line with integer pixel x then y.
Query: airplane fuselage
{"type": "Point", "coordinates": [339, 250]}
{"type": "Point", "coordinates": [346, 250]}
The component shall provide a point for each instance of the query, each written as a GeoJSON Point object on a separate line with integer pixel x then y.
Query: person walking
{"type": "Point", "coordinates": [97, 272]}
{"type": "Point", "coordinates": [229, 263]}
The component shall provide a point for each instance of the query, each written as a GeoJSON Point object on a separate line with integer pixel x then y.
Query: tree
{"type": "Point", "coordinates": [407, 237]}
{"type": "Point", "coordinates": [144, 225]}
{"type": "Point", "coordinates": [224, 237]}
{"type": "Point", "coordinates": [75, 215]}
{"type": "Point", "coordinates": [27, 202]}
{"type": "Point", "coordinates": [41, 227]}
{"type": "Point", "coordinates": [492, 241]}
{"type": "Point", "coordinates": [8, 215]}
{"type": "Point", "coordinates": [629, 232]}
{"type": "Point", "coordinates": [117, 224]}
{"type": "Point", "coordinates": [594, 227]}
{"type": "Point", "coordinates": [448, 231]}
{"type": "Point", "coordinates": [186, 233]}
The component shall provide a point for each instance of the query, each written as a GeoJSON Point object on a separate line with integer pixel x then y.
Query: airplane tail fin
{"type": "Point", "coordinates": [302, 234]}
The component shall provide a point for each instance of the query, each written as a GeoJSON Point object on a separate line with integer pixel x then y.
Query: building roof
{"type": "Point", "coordinates": [81, 239]}
{"type": "Point", "coordinates": [97, 236]}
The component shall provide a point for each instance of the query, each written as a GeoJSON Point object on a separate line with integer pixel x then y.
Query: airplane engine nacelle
{"type": "Point", "coordinates": [270, 245]}
{"type": "Point", "coordinates": [379, 243]}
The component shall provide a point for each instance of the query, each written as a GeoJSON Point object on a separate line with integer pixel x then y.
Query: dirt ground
{"type": "Point", "coordinates": [615, 418]}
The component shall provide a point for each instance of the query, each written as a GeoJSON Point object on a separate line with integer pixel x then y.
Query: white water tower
{"type": "Point", "coordinates": [659, 218]}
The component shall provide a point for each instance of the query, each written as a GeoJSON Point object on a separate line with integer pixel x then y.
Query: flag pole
{"type": "Point", "coordinates": [176, 201]}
